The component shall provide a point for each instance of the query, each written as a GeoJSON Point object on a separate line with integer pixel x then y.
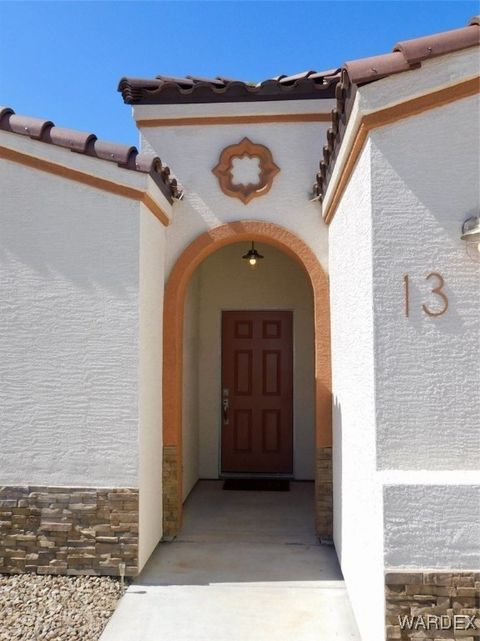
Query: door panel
{"type": "Point", "coordinates": [257, 392]}
{"type": "Point", "coordinates": [242, 373]}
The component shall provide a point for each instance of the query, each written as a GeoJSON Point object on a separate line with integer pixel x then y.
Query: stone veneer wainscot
{"type": "Point", "coordinates": [171, 505]}
{"type": "Point", "coordinates": [433, 592]}
{"type": "Point", "coordinates": [324, 493]}
{"type": "Point", "coordinates": [65, 530]}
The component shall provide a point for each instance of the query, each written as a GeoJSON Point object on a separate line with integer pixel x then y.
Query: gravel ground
{"type": "Point", "coordinates": [56, 608]}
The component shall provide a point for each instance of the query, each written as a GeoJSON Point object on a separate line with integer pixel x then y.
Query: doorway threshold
{"type": "Point", "coordinates": [257, 485]}
{"type": "Point", "coordinates": [255, 475]}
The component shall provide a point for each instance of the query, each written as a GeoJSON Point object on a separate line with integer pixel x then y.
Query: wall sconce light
{"type": "Point", "coordinates": [471, 235]}
{"type": "Point", "coordinates": [252, 256]}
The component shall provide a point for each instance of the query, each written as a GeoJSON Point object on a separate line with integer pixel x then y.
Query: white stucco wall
{"type": "Point", "coordinates": [193, 151]}
{"type": "Point", "coordinates": [358, 527]}
{"type": "Point", "coordinates": [190, 382]}
{"type": "Point", "coordinates": [432, 526]}
{"type": "Point", "coordinates": [433, 74]}
{"type": "Point", "coordinates": [69, 263]}
{"type": "Point", "coordinates": [425, 184]}
{"type": "Point", "coordinates": [407, 400]}
{"type": "Point", "coordinates": [150, 442]}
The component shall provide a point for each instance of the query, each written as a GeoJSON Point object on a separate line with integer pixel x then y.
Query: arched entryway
{"type": "Point", "coordinates": [174, 300]}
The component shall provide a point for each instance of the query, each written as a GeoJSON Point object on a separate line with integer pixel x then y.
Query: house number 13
{"type": "Point", "coordinates": [438, 290]}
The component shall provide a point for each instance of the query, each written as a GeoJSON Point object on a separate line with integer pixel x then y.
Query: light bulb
{"type": "Point", "coordinates": [252, 261]}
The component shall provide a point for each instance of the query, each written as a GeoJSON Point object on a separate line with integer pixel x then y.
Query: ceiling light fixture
{"type": "Point", "coordinates": [252, 256]}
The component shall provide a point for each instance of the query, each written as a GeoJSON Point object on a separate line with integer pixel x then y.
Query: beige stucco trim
{"type": "Point", "coordinates": [234, 120]}
{"type": "Point", "coordinates": [236, 109]}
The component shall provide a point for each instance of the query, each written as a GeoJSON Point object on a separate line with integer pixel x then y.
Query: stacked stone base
{"type": "Point", "coordinates": [171, 495]}
{"type": "Point", "coordinates": [432, 605]}
{"type": "Point", "coordinates": [64, 530]}
{"type": "Point", "coordinates": [324, 493]}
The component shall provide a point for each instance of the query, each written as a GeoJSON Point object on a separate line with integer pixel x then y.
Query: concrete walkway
{"type": "Point", "coordinates": [246, 567]}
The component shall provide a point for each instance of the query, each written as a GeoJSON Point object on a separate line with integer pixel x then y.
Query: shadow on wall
{"type": "Point", "coordinates": [92, 243]}
{"type": "Point", "coordinates": [426, 195]}
{"type": "Point", "coordinates": [425, 184]}
{"type": "Point", "coordinates": [440, 176]}
{"type": "Point", "coordinates": [337, 459]}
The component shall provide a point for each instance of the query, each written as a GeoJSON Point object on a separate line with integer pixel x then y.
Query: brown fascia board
{"type": "Point", "coordinates": [125, 156]}
{"type": "Point", "coordinates": [196, 90]}
{"type": "Point", "coordinates": [406, 56]}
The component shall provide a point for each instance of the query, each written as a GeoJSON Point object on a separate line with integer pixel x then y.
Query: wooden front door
{"type": "Point", "coordinates": [257, 392]}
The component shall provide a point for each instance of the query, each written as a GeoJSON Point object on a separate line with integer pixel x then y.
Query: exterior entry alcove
{"type": "Point", "coordinates": [175, 293]}
{"type": "Point", "coordinates": [225, 287]}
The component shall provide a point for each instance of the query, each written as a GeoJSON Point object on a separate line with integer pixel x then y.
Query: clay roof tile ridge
{"type": "Point", "coordinates": [125, 156]}
{"type": "Point", "coordinates": [418, 49]}
{"type": "Point", "coordinates": [197, 89]}
{"type": "Point", "coordinates": [29, 126]}
{"type": "Point", "coordinates": [406, 55]}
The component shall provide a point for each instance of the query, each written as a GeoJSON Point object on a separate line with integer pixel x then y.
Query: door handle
{"type": "Point", "coordinates": [225, 405]}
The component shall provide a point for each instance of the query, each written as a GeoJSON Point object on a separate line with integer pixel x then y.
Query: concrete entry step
{"type": "Point", "coordinates": [246, 568]}
{"type": "Point", "coordinates": [233, 612]}
{"type": "Point", "coordinates": [204, 563]}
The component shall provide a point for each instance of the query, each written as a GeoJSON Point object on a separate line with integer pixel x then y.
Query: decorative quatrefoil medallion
{"type": "Point", "coordinates": [245, 170]}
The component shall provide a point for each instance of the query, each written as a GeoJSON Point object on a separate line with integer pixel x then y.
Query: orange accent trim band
{"type": "Point", "coordinates": [233, 120]}
{"type": "Point", "coordinates": [86, 179]}
{"type": "Point", "coordinates": [347, 171]}
{"type": "Point", "coordinates": [175, 290]}
{"type": "Point", "coordinates": [390, 115]}
{"type": "Point", "coordinates": [155, 209]}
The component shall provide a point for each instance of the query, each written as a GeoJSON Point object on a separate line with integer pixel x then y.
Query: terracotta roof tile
{"type": "Point", "coordinates": [33, 127]}
{"type": "Point", "coordinates": [438, 44]}
{"type": "Point", "coordinates": [69, 138]}
{"type": "Point", "coordinates": [193, 89]}
{"type": "Point", "coordinates": [409, 54]}
{"type": "Point", "coordinates": [125, 156]}
{"type": "Point", "coordinates": [376, 67]}
{"type": "Point", "coordinates": [406, 55]}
